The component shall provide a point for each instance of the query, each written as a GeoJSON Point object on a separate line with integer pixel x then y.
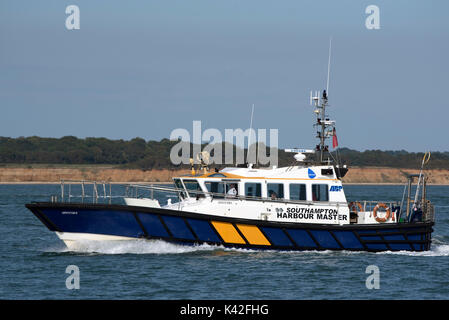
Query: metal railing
{"type": "Point", "coordinates": [140, 191]}
{"type": "Point", "coordinates": [101, 192]}
{"type": "Point", "coordinates": [88, 191]}
{"type": "Point", "coordinates": [369, 205]}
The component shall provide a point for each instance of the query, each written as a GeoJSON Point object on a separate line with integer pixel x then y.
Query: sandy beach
{"type": "Point", "coordinates": [41, 175]}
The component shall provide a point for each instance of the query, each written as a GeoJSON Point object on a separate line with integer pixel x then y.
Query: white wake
{"type": "Point", "coordinates": [436, 250]}
{"type": "Point", "coordinates": [133, 247]}
{"type": "Point", "coordinates": [141, 246]}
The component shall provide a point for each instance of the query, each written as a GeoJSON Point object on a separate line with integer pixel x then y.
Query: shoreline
{"type": "Point", "coordinates": [355, 175]}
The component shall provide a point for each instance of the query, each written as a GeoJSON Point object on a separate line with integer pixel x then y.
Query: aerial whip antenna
{"type": "Point", "coordinates": [329, 65]}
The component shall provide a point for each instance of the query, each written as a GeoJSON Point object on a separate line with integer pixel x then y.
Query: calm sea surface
{"type": "Point", "coordinates": [33, 262]}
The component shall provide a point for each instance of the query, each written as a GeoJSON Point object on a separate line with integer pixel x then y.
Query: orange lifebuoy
{"type": "Point", "coordinates": [354, 205]}
{"type": "Point", "coordinates": [387, 215]}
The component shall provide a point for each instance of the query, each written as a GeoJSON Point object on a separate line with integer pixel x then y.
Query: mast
{"type": "Point", "coordinates": [320, 110]}
{"type": "Point", "coordinates": [323, 147]}
{"type": "Point", "coordinates": [320, 102]}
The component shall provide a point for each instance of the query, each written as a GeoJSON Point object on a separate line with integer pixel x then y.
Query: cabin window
{"type": "Point", "coordinates": [275, 190]}
{"type": "Point", "coordinates": [232, 189]}
{"type": "Point", "coordinates": [218, 188]}
{"type": "Point", "coordinates": [320, 192]}
{"type": "Point", "coordinates": [215, 187]}
{"type": "Point", "coordinates": [253, 189]}
{"type": "Point", "coordinates": [192, 186]}
{"type": "Point", "coordinates": [178, 185]}
{"type": "Point", "coordinates": [298, 191]}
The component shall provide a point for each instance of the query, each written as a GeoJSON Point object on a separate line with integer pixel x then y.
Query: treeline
{"type": "Point", "coordinates": [72, 150]}
{"type": "Point", "coordinates": [138, 153]}
{"type": "Point", "coordinates": [394, 159]}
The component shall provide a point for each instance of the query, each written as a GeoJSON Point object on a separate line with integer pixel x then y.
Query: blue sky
{"type": "Point", "coordinates": [144, 68]}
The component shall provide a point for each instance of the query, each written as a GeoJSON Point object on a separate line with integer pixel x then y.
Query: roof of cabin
{"type": "Point", "coordinates": [296, 172]}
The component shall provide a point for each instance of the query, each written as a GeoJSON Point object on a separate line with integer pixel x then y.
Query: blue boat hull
{"type": "Point", "coordinates": [191, 228]}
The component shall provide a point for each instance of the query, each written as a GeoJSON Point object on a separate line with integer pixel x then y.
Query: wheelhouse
{"type": "Point", "coordinates": [218, 186]}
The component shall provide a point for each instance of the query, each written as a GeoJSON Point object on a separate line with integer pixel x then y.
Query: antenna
{"type": "Point", "coordinates": [329, 65]}
{"type": "Point", "coordinates": [320, 101]}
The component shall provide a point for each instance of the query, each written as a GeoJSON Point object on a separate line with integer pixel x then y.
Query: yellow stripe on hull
{"type": "Point", "coordinates": [253, 235]}
{"type": "Point", "coordinates": [228, 232]}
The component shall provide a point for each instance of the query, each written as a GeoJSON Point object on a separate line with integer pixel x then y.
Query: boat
{"type": "Point", "coordinates": [299, 207]}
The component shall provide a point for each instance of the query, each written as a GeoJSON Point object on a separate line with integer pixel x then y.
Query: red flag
{"type": "Point", "coordinates": [334, 139]}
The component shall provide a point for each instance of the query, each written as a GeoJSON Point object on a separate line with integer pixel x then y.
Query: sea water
{"type": "Point", "coordinates": [33, 262]}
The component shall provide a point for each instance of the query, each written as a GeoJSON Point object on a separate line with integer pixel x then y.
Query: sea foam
{"type": "Point", "coordinates": [132, 247]}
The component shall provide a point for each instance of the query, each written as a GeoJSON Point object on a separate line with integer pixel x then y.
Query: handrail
{"type": "Point", "coordinates": [368, 205]}
{"type": "Point", "coordinates": [95, 194]}
{"type": "Point", "coordinates": [183, 194]}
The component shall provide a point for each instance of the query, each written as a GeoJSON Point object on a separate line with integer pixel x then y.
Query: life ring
{"type": "Point", "coordinates": [387, 215]}
{"type": "Point", "coordinates": [354, 205]}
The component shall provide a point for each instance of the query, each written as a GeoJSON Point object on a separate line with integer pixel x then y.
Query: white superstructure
{"type": "Point", "coordinates": [297, 194]}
